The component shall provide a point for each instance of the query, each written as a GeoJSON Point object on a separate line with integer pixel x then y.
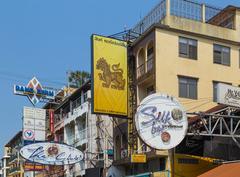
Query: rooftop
{"type": "Point", "coordinates": [188, 9]}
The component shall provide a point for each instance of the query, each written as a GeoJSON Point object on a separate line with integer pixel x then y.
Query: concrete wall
{"type": "Point", "coordinates": [169, 65]}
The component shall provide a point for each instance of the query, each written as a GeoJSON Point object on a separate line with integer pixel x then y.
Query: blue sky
{"type": "Point", "coordinates": [46, 38]}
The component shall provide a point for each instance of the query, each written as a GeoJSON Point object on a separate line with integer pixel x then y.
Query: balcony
{"type": "Point", "coordinates": [13, 158]}
{"type": "Point", "coordinates": [81, 137]}
{"type": "Point", "coordinates": [145, 70]}
{"type": "Point", "coordinates": [76, 112]}
{"type": "Point", "coordinates": [14, 170]}
{"type": "Point", "coordinates": [70, 139]}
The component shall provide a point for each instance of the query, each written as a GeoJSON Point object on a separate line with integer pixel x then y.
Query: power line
{"type": "Point", "coordinates": [19, 77]}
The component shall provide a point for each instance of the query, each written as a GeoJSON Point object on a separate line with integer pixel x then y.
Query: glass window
{"type": "Point", "coordinates": [221, 55]}
{"type": "Point", "coordinates": [188, 48]}
{"type": "Point", "coordinates": [187, 87]}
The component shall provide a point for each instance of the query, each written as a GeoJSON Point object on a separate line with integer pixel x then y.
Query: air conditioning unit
{"type": "Point", "coordinates": [124, 153]}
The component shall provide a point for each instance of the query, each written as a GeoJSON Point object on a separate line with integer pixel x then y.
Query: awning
{"type": "Point", "coordinates": [225, 170]}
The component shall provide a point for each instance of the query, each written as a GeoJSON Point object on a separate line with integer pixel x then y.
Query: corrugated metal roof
{"type": "Point", "coordinates": [225, 170]}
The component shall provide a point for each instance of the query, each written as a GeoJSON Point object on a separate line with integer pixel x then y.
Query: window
{"type": "Point", "coordinates": [188, 48]}
{"type": "Point", "coordinates": [221, 55]}
{"type": "Point", "coordinates": [187, 87]}
{"type": "Point", "coordinates": [215, 89]}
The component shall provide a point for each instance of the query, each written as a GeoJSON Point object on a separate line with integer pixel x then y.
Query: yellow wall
{"type": "Point", "coordinates": [192, 170]}
{"type": "Point", "coordinates": [202, 28]}
{"type": "Point", "coordinates": [169, 65]}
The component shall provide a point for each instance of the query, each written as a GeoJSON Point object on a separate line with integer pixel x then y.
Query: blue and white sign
{"type": "Point", "coordinates": [48, 153]}
{"type": "Point", "coordinates": [34, 91]}
{"type": "Point", "coordinates": [161, 121]}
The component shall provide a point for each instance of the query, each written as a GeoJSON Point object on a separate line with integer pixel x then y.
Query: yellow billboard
{"type": "Point", "coordinates": [109, 76]}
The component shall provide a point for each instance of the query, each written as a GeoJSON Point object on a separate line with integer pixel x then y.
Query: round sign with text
{"type": "Point", "coordinates": [161, 121]}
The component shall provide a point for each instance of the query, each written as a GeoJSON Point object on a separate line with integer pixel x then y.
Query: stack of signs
{"type": "Point", "coordinates": [34, 125]}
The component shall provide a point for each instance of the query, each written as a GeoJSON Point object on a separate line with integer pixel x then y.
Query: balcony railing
{"type": "Point", "coordinates": [189, 9]}
{"type": "Point", "coordinates": [13, 158]}
{"type": "Point", "coordinates": [154, 16]}
{"type": "Point", "coordinates": [14, 170]}
{"type": "Point", "coordinates": [149, 64]}
{"type": "Point", "coordinates": [142, 69]}
{"type": "Point", "coordinates": [81, 137]}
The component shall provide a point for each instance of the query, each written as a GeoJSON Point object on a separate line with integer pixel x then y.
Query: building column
{"type": "Point", "coordinates": [203, 13]}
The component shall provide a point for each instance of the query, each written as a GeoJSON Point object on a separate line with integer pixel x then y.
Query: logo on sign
{"type": "Point", "coordinates": [161, 121]}
{"type": "Point", "coordinates": [34, 91]}
{"type": "Point", "coordinates": [28, 134]}
{"type": "Point", "coordinates": [51, 153]}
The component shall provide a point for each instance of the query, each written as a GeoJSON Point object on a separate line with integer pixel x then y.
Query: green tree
{"type": "Point", "coordinates": [78, 78]}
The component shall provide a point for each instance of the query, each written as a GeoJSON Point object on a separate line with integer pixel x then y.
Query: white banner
{"type": "Point", "coordinates": [228, 95]}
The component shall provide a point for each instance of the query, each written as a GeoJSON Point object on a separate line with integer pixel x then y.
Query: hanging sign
{"type": "Point", "coordinates": [51, 153]}
{"type": "Point", "coordinates": [161, 121]}
{"type": "Point", "coordinates": [138, 158]}
{"type": "Point", "coordinates": [228, 95]}
{"type": "Point", "coordinates": [34, 91]}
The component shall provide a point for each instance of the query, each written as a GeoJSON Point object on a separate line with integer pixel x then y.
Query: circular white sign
{"type": "Point", "coordinates": [28, 134]}
{"type": "Point", "coordinates": [161, 121]}
{"type": "Point", "coordinates": [49, 153]}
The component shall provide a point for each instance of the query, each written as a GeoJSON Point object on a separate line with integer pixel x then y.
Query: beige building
{"type": "Point", "coordinates": [184, 50]}
{"type": "Point", "coordinates": [15, 162]}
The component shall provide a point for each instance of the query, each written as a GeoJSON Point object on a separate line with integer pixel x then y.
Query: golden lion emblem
{"type": "Point", "coordinates": [112, 78]}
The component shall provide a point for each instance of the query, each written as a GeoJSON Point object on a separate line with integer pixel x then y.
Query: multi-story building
{"type": "Point", "coordinates": [15, 162]}
{"type": "Point", "coordinates": [4, 163]}
{"type": "Point", "coordinates": [76, 126]}
{"type": "Point", "coordinates": [184, 49]}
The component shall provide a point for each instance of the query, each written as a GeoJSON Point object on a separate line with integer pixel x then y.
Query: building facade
{"type": "Point", "coordinates": [75, 125]}
{"type": "Point", "coordinates": [4, 163]}
{"type": "Point", "coordinates": [15, 163]}
{"type": "Point", "coordinates": [184, 50]}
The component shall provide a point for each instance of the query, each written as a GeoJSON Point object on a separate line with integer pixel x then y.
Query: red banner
{"type": "Point", "coordinates": [51, 117]}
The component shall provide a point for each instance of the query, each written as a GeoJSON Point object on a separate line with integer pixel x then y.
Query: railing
{"type": "Point", "coordinates": [189, 9]}
{"type": "Point", "coordinates": [70, 139]}
{"type": "Point", "coordinates": [149, 64]}
{"type": "Point", "coordinates": [141, 70]}
{"type": "Point", "coordinates": [14, 169]}
{"type": "Point", "coordinates": [81, 137]}
{"type": "Point", "coordinates": [186, 9]}
{"type": "Point", "coordinates": [154, 16]}
{"type": "Point", "coordinates": [13, 157]}
{"type": "Point", "coordinates": [211, 11]}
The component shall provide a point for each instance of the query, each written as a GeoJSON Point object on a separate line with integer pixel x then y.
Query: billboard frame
{"type": "Point", "coordinates": [92, 78]}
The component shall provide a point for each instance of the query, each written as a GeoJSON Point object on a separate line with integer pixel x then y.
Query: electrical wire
{"type": "Point", "coordinates": [20, 77]}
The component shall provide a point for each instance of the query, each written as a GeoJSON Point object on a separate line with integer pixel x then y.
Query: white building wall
{"type": "Point", "coordinates": [81, 131]}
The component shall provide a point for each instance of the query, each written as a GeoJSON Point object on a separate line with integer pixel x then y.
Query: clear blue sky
{"type": "Point", "coordinates": [45, 38]}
